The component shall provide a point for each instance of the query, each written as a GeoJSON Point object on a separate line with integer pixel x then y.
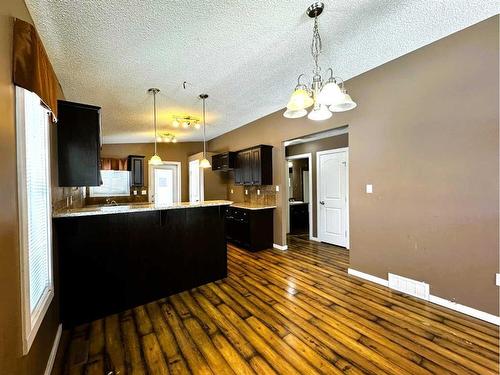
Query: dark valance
{"type": "Point", "coordinates": [32, 69]}
{"type": "Point", "coordinates": [113, 164]}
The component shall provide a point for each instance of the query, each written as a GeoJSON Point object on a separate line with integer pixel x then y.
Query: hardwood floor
{"type": "Point", "coordinates": [293, 312]}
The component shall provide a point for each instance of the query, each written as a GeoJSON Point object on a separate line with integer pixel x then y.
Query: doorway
{"type": "Point", "coordinates": [195, 181]}
{"type": "Point", "coordinates": [165, 183]}
{"type": "Point", "coordinates": [299, 195]}
{"type": "Point", "coordinates": [333, 196]}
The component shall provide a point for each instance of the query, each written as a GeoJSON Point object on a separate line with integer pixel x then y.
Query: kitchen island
{"type": "Point", "coordinates": [113, 258]}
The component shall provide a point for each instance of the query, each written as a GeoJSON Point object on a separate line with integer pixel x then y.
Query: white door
{"type": "Point", "coordinates": [164, 184]}
{"type": "Point", "coordinates": [333, 203]}
{"type": "Point", "coordinates": [195, 181]}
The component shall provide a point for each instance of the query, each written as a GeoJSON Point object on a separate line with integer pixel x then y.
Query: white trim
{"type": "Point", "coordinates": [318, 198]}
{"type": "Point", "coordinates": [366, 276]}
{"type": "Point", "coordinates": [307, 156]}
{"type": "Point", "coordinates": [280, 247]}
{"type": "Point", "coordinates": [314, 239]}
{"type": "Point", "coordinates": [493, 319]}
{"type": "Point", "coordinates": [178, 164]}
{"type": "Point", "coordinates": [53, 352]}
{"type": "Point", "coordinates": [31, 321]}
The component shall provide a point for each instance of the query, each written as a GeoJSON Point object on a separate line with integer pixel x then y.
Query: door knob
{"type": "Point", "coordinates": [322, 202]}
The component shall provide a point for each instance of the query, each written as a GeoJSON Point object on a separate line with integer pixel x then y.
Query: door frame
{"type": "Point", "coordinates": [178, 164]}
{"type": "Point", "coordinates": [307, 156]}
{"type": "Point", "coordinates": [318, 179]}
{"type": "Point", "coordinates": [201, 181]}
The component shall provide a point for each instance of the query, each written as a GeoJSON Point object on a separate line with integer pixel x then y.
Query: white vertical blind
{"type": "Point", "coordinates": [114, 184]}
{"type": "Point", "coordinates": [33, 152]}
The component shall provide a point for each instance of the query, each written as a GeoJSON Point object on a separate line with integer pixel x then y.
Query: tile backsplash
{"type": "Point", "coordinates": [265, 194]}
{"type": "Point", "coordinates": [59, 195]}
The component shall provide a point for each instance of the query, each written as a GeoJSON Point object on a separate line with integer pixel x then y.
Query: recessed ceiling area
{"type": "Point", "coordinates": [245, 54]}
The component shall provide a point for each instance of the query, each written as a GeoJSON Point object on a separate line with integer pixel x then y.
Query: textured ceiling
{"type": "Point", "coordinates": [246, 54]}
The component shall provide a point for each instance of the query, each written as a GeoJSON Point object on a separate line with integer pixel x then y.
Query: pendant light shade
{"type": "Point", "coordinates": [204, 163]}
{"type": "Point", "coordinates": [345, 103]}
{"type": "Point", "coordinates": [329, 94]}
{"type": "Point", "coordinates": [320, 113]}
{"type": "Point", "coordinates": [155, 159]}
{"type": "Point", "coordinates": [299, 100]}
{"type": "Point", "coordinates": [295, 114]}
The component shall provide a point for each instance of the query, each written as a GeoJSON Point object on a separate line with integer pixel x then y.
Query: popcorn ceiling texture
{"type": "Point", "coordinates": [245, 54]}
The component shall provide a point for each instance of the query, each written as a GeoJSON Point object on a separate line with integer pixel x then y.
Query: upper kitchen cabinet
{"type": "Point", "coordinates": [224, 162]}
{"type": "Point", "coordinates": [254, 166]}
{"type": "Point", "coordinates": [78, 144]}
{"type": "Point", "coordinates": [135, 164]}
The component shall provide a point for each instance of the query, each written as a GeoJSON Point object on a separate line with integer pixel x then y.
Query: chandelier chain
{"type": "Point", "coordinates": [316, 46]}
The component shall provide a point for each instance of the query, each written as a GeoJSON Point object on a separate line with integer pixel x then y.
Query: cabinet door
{"type": "Point", "coordinates": [78, 144]}
{"type": "Point", "coordinates": [247, 168]}
{"type": "Point", "coordinates": [238, 172]}
{"type": "Point", "coordinates": [256, 169]}
{"type": "Point", "coordinates": [137, 171]}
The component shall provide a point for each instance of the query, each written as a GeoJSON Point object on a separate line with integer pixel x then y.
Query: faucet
{"type": "Point", "coordinates": [111, 202]}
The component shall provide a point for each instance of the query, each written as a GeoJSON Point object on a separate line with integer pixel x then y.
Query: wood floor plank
{"type": "Point", "coordinates": [284, 312]}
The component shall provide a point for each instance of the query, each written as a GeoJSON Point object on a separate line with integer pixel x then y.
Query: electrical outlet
{"type": "Point", "coordinates": [232, 191]}
{"type": "Point", "coordinates": [277, 188]}
{"type": "Point", "coordinates": [246, 192]}
{"type": "Point", "coordinates": [258, 192]}
{"type": "Point", "coordinates": [144, 192]}
{"type": "Point", "coordinates": [369, 188]}
{"type": "Point", "coordinates": [135, 192]}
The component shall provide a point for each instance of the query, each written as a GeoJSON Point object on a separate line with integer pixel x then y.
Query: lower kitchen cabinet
{"type": "Point", "coordinates": [250, 229]}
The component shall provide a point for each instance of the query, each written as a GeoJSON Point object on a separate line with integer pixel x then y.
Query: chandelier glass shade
{"type": "Point", "coordinates": [186, 122]}
{"type": "Point", "coordinates": [168, 137]}
{"type": "Point", "coordinates": [325, 96]}
{"type": "Point", "coordinates": [155, 159]}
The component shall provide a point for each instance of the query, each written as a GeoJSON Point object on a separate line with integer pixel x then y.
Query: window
{"type": "Point", "coordinates": [114, 184]}
{"type": "Point", "coordinates": [35, 219]}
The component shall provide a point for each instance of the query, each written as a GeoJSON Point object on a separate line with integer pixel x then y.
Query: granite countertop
{"type": "Point", "coordinates": [133, 207]}
{"type": "Point", "coordinates": [253, 206]}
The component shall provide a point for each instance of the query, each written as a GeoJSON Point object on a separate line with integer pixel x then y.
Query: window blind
{"type": "Point", "coordinates": [114, 183]}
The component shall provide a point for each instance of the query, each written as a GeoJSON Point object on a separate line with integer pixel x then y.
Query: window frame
{"type": "Point", "coordinates": [31, 321]}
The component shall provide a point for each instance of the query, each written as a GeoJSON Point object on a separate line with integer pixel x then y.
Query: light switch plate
{"type": "Point", "coordinates": [277, 188]}
{"type": "Point", "coordinates": [258, 192]}
{"type": "Point", "coordinates": [135, 192]}
{"type": "Point", "coordinates": [369, 188]}
{"type": "Point", "coordinates": [144, 192]}
{"type": "Point", "coordinates": [232, 191]}
{"type": "Point", "coordinates": [498, 279]}
{"type": "Point", "coordinates": [246, 192]}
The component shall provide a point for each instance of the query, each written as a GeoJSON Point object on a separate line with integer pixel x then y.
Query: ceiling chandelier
{"type": "Point", "coordinates": [168, 137]}
{"type": "Point", "coordinates": [155, 159]}
{"type": "Point", "coordinates": [186, 122]}
{"type": "Point", "coordinates": [204, 163]}
{"type": "Point", "coordinates": [325, 96]}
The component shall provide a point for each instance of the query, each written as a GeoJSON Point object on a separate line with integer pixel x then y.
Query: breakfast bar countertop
{"type": "Point", "coordinates": [253, 206]}
{"type": "Point", "coordinates": [133, 207]}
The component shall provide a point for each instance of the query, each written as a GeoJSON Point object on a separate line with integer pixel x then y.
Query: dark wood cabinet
{"type": "Point", "coordinates": [224, 161]}
{"type": "Point", "coordinates": [78, 144]}
{"type": "Point", "coordinates": [110, 263]}
{"type": "Point", "coordinates": [135, 164]}
{"type": "Point", "coordinates": [299, 218]}
{"type": "Point", "coordinates": [250, 229]}
{"type": "Point", "coordinates": [254, 166]}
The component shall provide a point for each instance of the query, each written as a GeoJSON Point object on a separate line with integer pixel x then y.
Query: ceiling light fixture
{"type": "Point", "coordinates": [325, 96]}
{"type": "Point", "coordinates": [155, 159]}
{"type": "Point", "coordinates": [185, 122]}
{"type": "Point", "coordinates": [204, 163]}
{"type": "Point", "coordinates": [168, 137]}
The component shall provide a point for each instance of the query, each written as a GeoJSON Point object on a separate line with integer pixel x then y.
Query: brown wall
{"type": "Point", "coordinates": [425, 134]}
{"type": "Point", "coordinates": [12, 361]}
{"type": "Point", "coordinates": [167, 152]}
{"type": "Point", "coordinates": [313, 147]}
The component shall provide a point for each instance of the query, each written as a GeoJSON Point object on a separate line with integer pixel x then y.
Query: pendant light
{"type": "Point", "coordinates": [155, 159]}
{"type": "Point", "coordinates": [204, 163]}
{"type": "Point", "coordinates": [326, 95]}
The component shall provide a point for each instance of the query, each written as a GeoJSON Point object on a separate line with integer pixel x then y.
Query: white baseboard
{"type": "Point", "coordinates": [314, 239]}
{"type": "Point", "coordinates": [280, 247]}
{"type": "Point", "coordinates": [434, 299]}
{"type": "Point", "coordinates": [53, 352]}
{"type": "Point", "coordinates": [366, 276]}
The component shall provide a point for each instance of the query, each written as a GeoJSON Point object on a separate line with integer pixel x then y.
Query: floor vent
{"type": "Point", "coordinates": [412, 287]}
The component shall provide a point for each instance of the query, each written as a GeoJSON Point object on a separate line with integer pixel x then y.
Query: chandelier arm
{"type": "Point", "coordinates": [341, 81]}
